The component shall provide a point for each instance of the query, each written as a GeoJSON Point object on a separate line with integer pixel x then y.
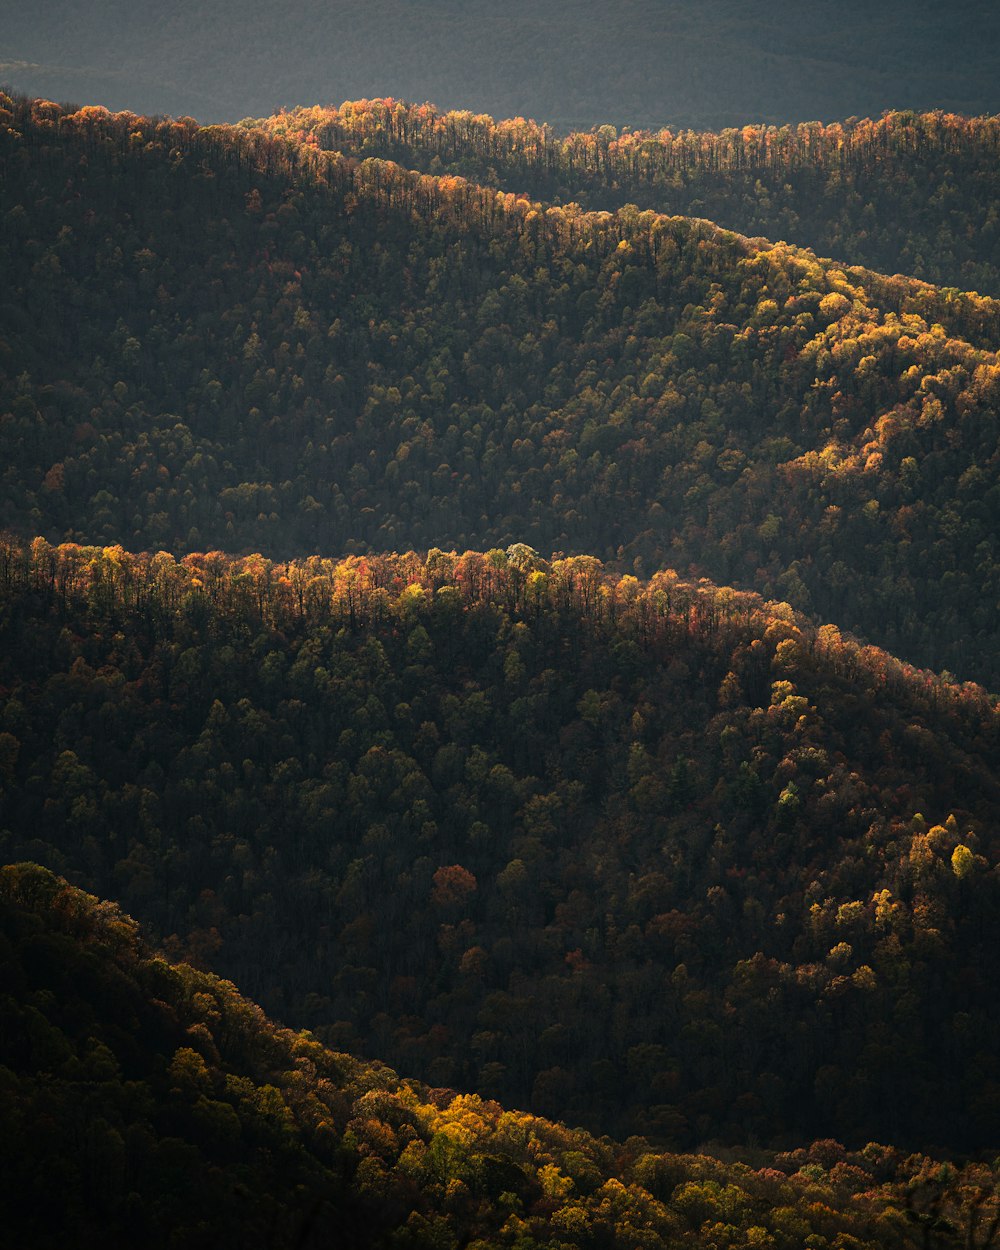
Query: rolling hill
{"type": "Point", "coordinates": [147, 1102]}
{"type": "Point", "coordinates": [341, 645]}
{"type": "Point", "coordinates": [911, 193]}
{"type": "Point", "coordinates": [211, 338]}
{"type": "Point", "coordinates": [651, 858]}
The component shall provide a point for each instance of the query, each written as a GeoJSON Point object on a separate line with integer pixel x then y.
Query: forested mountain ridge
{"type": "Point", "coordinates": [641, 853]}
{"type": "Point", "coordinates": [147, 1103]}
{"type": "Point", "coordinates": [575, 62]}
{"type": "Point", "coordinates": [912, 193]}
{"type": "Point", "coordinates": [654, 858]}
{"type": "Point", "coordinates": [212, 338]}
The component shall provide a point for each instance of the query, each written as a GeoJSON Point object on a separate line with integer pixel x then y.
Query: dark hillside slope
{"type": "Point", "coordinates": [209, 338]}
{"type": "Point", "coordinates": [649, 858]}
{"type": "Point", "coordinates": [145, 1103]}
{"type": "Point", "coordinates": [910, 193]}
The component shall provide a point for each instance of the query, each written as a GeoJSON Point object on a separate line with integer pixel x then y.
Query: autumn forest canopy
{"type": "Point", "coordinates": [224, 339]}
{"type": "Point", "coordinates": [202, 1124]}
{"type": "Point", "coordinates": [484, 595]}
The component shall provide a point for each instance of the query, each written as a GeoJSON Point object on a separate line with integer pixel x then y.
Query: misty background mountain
{"type": "Point", "coordinates": [570, 62]}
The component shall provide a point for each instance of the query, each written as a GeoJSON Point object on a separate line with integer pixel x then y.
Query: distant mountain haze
{"type": "Point", "coordinates": [638, 62]}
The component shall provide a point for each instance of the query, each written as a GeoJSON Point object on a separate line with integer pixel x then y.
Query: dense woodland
{"type": "Point", "coordinates": [196, 1122]}
{"type": "Point", "coordinates": [549, 828]}
{"type": "Point", "coordinates": [651, 858]}
{"type": "Point", "coordinates": [912, 193]}
{"type": "Point", "coordinates": [217, 339]}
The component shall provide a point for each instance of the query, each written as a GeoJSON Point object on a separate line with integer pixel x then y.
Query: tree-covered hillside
{"type": "Point", "coordinates": [212, 338]}
{"type": "Point", "coordinates": [910, 193]}
{"type": "Point", "coordinates": [145, 1103]}
{"type": "Point", "coordinates": [652, 858]}
{"type": "Point", "coordinates": [568, 834]}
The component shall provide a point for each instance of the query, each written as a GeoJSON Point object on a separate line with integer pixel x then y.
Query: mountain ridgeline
{"type": "Point", "coordinates": [340, 644]}
{"type": "Point", "coordinates": [912, 193]}
{"type": "Point", "coordinates": [216, 339]}
{"type": "Point", "coordinates": [145, 1103]}
{"type": "Point", "coordinates": [575, 62]}
{"type": "Point", "coordinates": [650, 858]}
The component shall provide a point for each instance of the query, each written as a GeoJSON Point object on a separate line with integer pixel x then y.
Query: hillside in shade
{"type": "Point", "coordinates": [575, 62]}
{"type": "Point", "coordinates": [147, 1103]}
{"type": "Point", "coordinates": [211, 338]}
{"type": "Point", "coordinates": [909, 193]}
{"type": "Point", "coordinates": [651, 858]}
{"type": "Point", "coordinates": [419, 537]}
